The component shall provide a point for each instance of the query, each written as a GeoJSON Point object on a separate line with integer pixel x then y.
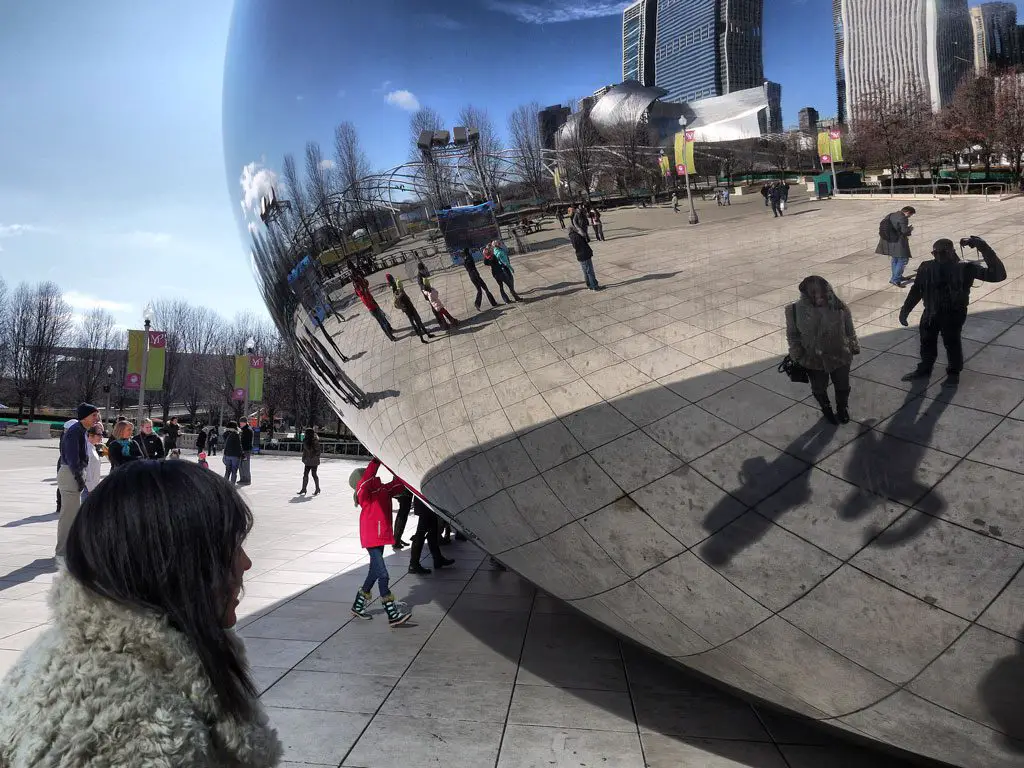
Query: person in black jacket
{"type": "Point", "coordinates": [476, 280]}
{"type": "Point", "coordinates": [150, 444]}
{"type": "Point", "coordinates": [121, 448]}
{"type": "Point", "coordinates": [201, 440]}
{"type": "Point", "coordinates": [245, 435]}
{"type": "Point", "coordinates": [232, 452]}
{"type": "Point", "coordinates": [944, 285]}
{"type": "Point", "coordinates": [427, 529]}
{"type": "Point", "coordinates": [171, 431]}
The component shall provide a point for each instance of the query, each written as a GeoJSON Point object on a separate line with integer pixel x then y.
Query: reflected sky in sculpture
{"type": "Point", "coordinates": [636, 453]}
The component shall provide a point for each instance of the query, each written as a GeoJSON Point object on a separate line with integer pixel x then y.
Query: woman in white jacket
{"type": "Point", "coordinates": [92, 469]}
{"type": "Point", "coordinates": [139, 669]}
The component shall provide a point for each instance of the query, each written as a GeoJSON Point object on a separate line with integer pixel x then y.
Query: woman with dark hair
{"type": "Point", "coordinates": [232, 452]}
{"type": "Point", "coordinates": [404, 303]}
{"type": "Point", "coordinates": [821, 336]}
{"type": "Point", "coordinates": [140, 666]}
{"type": "Point", "coordinates": [122, 449]}
{"type": "Point", "coordinates": [496, 257]}
{"type": "Point", "coordinates": [310, 460]}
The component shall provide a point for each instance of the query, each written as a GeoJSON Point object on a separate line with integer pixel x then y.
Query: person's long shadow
{"type": "Point", "coordinates": [32, 519]}
{"type": "Point", "coordinates": [1000, 691]}
{"type": "Point", "coordinates": [884, 466]}
{"type": "Point", "coordinates": [26, 573]}
{"type": "Point", "coordinates": [719, 550]}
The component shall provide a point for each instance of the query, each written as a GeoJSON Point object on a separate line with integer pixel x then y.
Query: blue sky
{"type": "Point", "coordinates": [112, 173]}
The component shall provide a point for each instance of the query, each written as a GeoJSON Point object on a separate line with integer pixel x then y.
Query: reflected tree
{"type": "Point", "coordinates": [39, 322]}
{"type": "Point", "coordinates": [528, 159]}
{"type": "Point", "coordinates": [97, 335]}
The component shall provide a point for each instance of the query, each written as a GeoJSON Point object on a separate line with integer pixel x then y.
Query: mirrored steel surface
{"type": "Point", "coordinates": [634, 451]}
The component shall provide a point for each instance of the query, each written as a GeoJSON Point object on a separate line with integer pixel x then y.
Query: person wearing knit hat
{"type": "Point", "coordinates": [74, 457]}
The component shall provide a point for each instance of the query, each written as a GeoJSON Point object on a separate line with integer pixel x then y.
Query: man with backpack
{"type": "Point", "coordinates": [944, 285]}
{"type": "Point", "coordinates": [894, 241]}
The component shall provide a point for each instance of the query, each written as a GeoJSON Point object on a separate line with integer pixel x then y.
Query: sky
{"type": "Point", "coordinates": [122, 180]}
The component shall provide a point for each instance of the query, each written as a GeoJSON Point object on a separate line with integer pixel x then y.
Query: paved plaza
{"type": "Point", "coordinates": [488, 673]}
{"type": "Point", "coordinates": [868, 575]}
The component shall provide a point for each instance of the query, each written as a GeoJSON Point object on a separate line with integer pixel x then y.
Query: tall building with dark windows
{"type": "Point", "coordinates": [639, 25]}
{"type": "Point", "coordinates": [708, 48]}
{"type": "Point", "coordinates": [994, 28]}
{"type": "Point", "coordinates": [549, 120]}
{"type": "Point", "coordinates": [837, 24]}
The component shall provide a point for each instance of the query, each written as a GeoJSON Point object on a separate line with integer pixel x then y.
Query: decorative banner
{"type": "Point", "coordinates": [241, 376]}
{"type": "Point", "coordinates": [558, 179]}
{"type": "Point", "coordinates": [136, 349]}
{"type": "Point", "coordinates": [156, 361]}
{"type": "Point", "coordinates": [826, 158]}
{"type": "Point", "coordinates": [238, 394]}
{"type": "Point", "coordinates": [256, 378]}
{"type": "Point", "coordinates": [830, 143]}
{"type": "Point", "coordinates": [684, 152]}
{"type": "Point", "coordinates": [665, 165]}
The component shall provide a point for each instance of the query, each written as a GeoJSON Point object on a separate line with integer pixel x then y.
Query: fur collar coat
{"type": "Point", "coordinates": [110, 686]}
{"type": "Point", "coordinates": [821, 338]}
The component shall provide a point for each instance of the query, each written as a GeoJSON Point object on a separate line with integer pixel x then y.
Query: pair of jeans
{"type": "Point", "coordinates": [481, 289]}
{"type": "Point", "coordinates": [382, 319]}
{"type": "Point", "coordinates": [587, 265]}
{"type": "Point", "coordinates": [378, 572]}
{"type": "Point", "coordinates": [599, 231]}
{"type": "Point", "coordinates": [503, 277]}
{"type": "Point", "coordinates": [776, 208]}
{"type": "Point", "coordinates": [898, 265]}
{"type": "Point", "coordinates": [948, 325]}
{"type": "Point", "coordinates": [231, 468]}
{"type": "Point", "coordinates": [306, 472]}
{"type": "Point", "coordinates": [244, 472]}
{"type": "Point", "coordinates": [819, 380]}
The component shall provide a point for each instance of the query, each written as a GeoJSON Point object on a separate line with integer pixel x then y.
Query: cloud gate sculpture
{"type": "Point", "coordinates": [632, 451]}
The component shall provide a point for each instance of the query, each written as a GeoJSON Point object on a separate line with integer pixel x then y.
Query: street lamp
{"type": "Point", "coordinates": [147, 317]}
{"type": "Point", "coordinates": [106, 389]}
{"type": "Point", "coordinates": [250, 345]}
{"type": "Point", "coordinates": [686, 175]}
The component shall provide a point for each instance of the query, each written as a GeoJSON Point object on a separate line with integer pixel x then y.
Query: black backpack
{"type": "Point", "coordinates": [887, 231]}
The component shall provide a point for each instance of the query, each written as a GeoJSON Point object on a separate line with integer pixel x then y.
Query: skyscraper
{"type": "Point", "coordinates": [549, 120]}
{"type": "Point", "coordinates": [994, 28]}
{"type": "Point", "coordinates": [837, 24]}
{"type": "Point", "coordinates": [809, 120]}
{"type": "Point", "coordinates": [900, 46]}
{"type": "Point", "coordinates": [639, 25]}
{"type": "Point", "coordinates": [708, 47]}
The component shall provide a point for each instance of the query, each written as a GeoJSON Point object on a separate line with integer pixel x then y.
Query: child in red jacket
{"type": "Point", "coordinates": [375, 533]}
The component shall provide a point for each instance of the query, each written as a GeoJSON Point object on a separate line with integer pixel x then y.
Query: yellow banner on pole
{"type": "Point", "coordinates": [665, 165]}
{"type": "Point", "coordinates": [241, 377]}
{"type": "Point", "coordinates": [256, 378]}
{"type": "Point", "coordinates": [156, 361]}
{"type": "Point", "coordinates": [558, 178]}
{"type": "Point", "coordinates": [830, 145]}
{"type": "Point", "coordinates": [684, 152]}
{"type": "Point", "coordinates": [136, 349]}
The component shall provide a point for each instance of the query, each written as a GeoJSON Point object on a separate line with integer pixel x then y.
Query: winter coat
{"type": "Point", "coordinates": [374, 497]}
{"type": "Point", "coordinates": [108, 685]}
{"type": "Point", "coordinates": [245, 434]}
{"type": "Point", "coordinates": [899, 249]}
{"type": "Point", "coordinates": [821, 338]}
{"type": "Point", "coordinates": [311, 452]}
{"type": "Point", "coordinates": [121, 452]}
{"type": "Point", "coordinates": [366, 297]}
{"type": "Point", "coordinates": [171, 432]}
{"type": "Point", "coordinates": [201, 440]}
{"type": "Point", "coordinates": [232, 444]}
{"type": "Point", "coordinates": [92, 469]}
{"type": "Point", "coordinates": [151, 446]}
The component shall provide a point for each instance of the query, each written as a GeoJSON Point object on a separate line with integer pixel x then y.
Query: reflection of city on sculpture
{"type": "Point", "coordinates": [628, 451]}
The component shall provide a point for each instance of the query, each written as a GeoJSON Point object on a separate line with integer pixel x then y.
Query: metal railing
{"type": "Point", "coordinates": [328, 447]}
{"type": "Point", "coordinates": [932, 191]}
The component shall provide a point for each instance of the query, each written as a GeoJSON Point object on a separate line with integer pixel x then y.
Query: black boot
{"type": "Point", "coordinates": [826, 408]}
{"type": "Point", "coordinates": [917, 373]}
{"type": "Point", "coordinates": [842, 405]}
{"type": "Point", "coordinates": [414, 557]}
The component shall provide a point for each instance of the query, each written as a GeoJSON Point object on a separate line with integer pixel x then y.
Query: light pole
{"type": "Point", "coordinates": [106, 389]}
{"type": "Point", "coordinates": [147, 316]}
{"type": "Point", "coordinates": [686, 174]}
{"type": "Point", "coordinates": [250, 344]}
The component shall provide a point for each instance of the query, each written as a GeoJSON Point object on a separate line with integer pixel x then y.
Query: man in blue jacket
{"type": "Point", "coordinates": [74, 455]}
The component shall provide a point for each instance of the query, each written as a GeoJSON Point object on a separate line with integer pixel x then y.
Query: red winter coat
{"type": "Point", "coordinates": [366, 297]}
{"type": "Point", "coordinates": [374, 497]}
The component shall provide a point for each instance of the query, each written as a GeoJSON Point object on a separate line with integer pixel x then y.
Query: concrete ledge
{"type": "Point", "coordinates": [37, 431]}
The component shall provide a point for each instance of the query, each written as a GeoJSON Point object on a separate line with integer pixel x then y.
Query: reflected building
{"type": "Point", "coordinates": [902, 47]}
{"type": "Point", "coordinates": [809, 120]}
{"type": "Point", "coordinates": [708, 48]}
{"type": "Point", "coordinates": [994, 28]}
{"type": "Point", "coordinates": [549, 120]}
{"type": "Point", "coordinates": [639, 25]}
{"type": "Point", "coordinates": [837, 27]}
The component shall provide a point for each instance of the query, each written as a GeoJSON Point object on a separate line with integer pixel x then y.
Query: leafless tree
{"type": "Point", "coordinates": [1009, 107]}
{"type": "Point", "coordinates": [578, 149]}
{"type": "Point", "coordinates": [174, 318]}
{"type": "Point", "coordinates": [202, 374]}
{"type": "Point", "coordinates": [890, 126]}
{"type": "Point", "coordinates": [487, 165]}
{"type": "Point", "coordinates": [40, 322]}
{"type": "Point", "coordinates": [630, 149]}
{"type": "Point", "coordinates": [6, 340]}
{"type": "Point", "coordinates": [524, 132]}
{"type": "Point", "coordinates": [970, 120]}
{"type": "Point", "coordinates": [101, 343]}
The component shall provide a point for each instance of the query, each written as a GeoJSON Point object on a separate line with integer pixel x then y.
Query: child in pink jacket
{"type": "Point", "coordinates": [375, 533]}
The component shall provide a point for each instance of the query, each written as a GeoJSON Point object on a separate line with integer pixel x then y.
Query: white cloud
{"type": "Point", "coordinates": [403, 100]}
{"type": "Point", "coordinates": [557, 11]}
{"type": "Point", "coordinates": [256, 181]}
{"type": "Point", "coordinates": [326, 164]}
{"type": "Point", "coordinates": [13, 230]}
{"type": "Point", "coordinates": [86, 302]}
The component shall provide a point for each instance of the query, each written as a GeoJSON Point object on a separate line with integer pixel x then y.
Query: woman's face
{"type": "Point", "coordinates": [817, 294]}
{"type": "Point", "coordinates": [239, 566]}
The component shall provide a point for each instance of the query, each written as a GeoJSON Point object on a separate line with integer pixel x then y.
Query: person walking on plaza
{"type": "Point", "coordinates": [375, 532]}
{"type": "Point", "coordinates": [441, 314]}
{"type": "Point", "coordinates": [139, 666]}
{"type": "Point", "coordinates": [675, 202]}
{"type": "Point", "coordinates": [404, 303]}
{"type": "Point", "coordinates": [561, 217]}
{"type": "Point", "coordinates": [894, 241]}
{"type": "Point", "coordinates": [476, 280]}
{"type": "Point", "coordinates": [150, 444]}
{"type": "Point", "coordinates": [362, 290]}
{"type": "Point", "coordinates": [765, 193]}
{"type": "Point", "coordinates": [775, 195]}
{"type": "Point", "coordinates": [595, 221]}
{"type": "Point", "coordinates": [310, 460]}
{"type": "Point", "coordinates": [427, 530]}
{"type": "Point", "coordinates": [122, 448]}
{"type": "Point", "coordinates": [92, 470]}
{"type": "Point", "coordinates": [201, 440]}
{"type": "Point", "coordinates": [726, 196]}
{"type": "Point", "coordinates": [581, 245]}
{"type": "Point", "coordinates": [245, 436]}
{"type": "Point", "coordinates": [212, 439]}
{"type": "Point", "coordinates": [785, 192]}
{"type": "Point", "coordinates": [232, 452]}
{"type": "Point", "coordinates": [944, 285]}
{"type": "Point", "coordinates": [501, 270]}
{"type": "Point", "coordinates": [171, 431]}
{"type": "Point", "coordinates": [63, 430]}
{"type": "Point", "coordinates": [821, 336]}
{"type": "Point", "coordinates": [74, 458]}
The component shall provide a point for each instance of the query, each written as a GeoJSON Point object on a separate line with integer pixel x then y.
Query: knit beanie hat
{"type": "Point", "coordinates": [85, 410]}
{"type": "Point", "coordinates": [355, 477]}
